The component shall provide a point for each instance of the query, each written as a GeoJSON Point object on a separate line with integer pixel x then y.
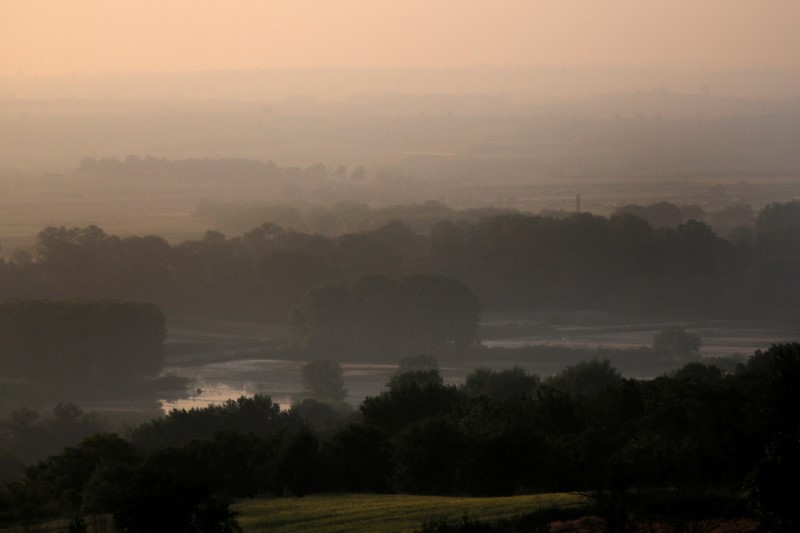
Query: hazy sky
{"type": "Point", "coordinates": [52, 37]}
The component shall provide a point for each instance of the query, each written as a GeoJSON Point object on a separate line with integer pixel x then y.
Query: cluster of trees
{"type": "Point", "coordinates": [375, 315]}
{"type": "Point", "coordinates": [27, 436]}
{"type": "Point", "coordinates": [323, 380]}
{"type": "Point", "coordinates": [73, 345]}
{"type": "Point", "coordinates": [677, 342]}
{"type": "Point", "coordinates": [512, 262]}
{"type": "Point", "coordinates": [501, 432]}
{"type": "Point", "coordinates": [664, 214]}
{"type": "Point", "coordinates": [733, 222]}
{"type": "Point", "coordinates": [177, 473]}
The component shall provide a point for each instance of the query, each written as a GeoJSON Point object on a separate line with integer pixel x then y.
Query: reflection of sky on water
{"type": "Point", "coordinates": [281, 379]}
{"type": "Point", "coordinates": [278, 378]}
{"type": "Point", "coordinates": [218, 393]}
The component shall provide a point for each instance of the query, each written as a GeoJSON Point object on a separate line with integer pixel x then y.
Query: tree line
{"type": "Point", "coordinates": [73, 346]}
{"type": "Point", "coordinates": [620, 264]}
{"type": "Point", "coordinates": [225, 168]}
{"type": "Point", "coordinates": [698, 431]}
{"type": "Point", "coordinates": [338, 219]}
{"type": "Point", "coordinates": [733, 222]}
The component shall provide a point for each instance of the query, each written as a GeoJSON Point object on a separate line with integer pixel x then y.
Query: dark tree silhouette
{"type": "Point", "coordinates": [677, 342]}
{"type": "Point", "coordinates": [379, 316]}
{"type": "Point", "coordinates": [323, 380]}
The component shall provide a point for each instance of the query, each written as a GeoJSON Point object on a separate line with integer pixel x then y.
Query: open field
{"type": "Point", "coordinates": [383, 513]}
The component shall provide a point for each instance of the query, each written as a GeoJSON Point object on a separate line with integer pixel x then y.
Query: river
{"type": "Point", "coordinates": [243, 372]}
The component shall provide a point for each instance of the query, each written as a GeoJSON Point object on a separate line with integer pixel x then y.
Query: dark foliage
{"type": "Point", "coordinates": [501, 384]}
{"type": "Point", "coordinates": [510, 261]}
{"type": "Point", "coordinates": [29, 437]}
{"type": "Point", "coordinates": [772, 490]}
{"type": "Point", "coordinates": [171, 492]}
{"type": "Point", "coordinates": [60, 485]}
{"type": "Point", "coordinates": [379, 315]}
{"type": "Point", "coordinates": [258, 416]}
{"type": "Point", "coordinates": [670, 452]}
{"type": "Point", "coordinates": [60, 342]}
{"type": "Point", "coordinates": [361, 458]}
{"type": "Point", "coordinates": [677, 342]}
{"type": "Point", "coordinates": [323, 380]}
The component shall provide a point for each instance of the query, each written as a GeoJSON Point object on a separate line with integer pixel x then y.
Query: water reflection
{"type": "Point", "coordinates": [281, 378]}
{"type": "Point", "coordinates": [216, 383]}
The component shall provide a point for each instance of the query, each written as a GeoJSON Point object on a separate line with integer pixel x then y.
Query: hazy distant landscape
{"type": "Point", "coordinates": [466, 145]}
{"type": "Point", "coordinates": [433, 267]}
{"type": "Point", "coordinates": [241, 220]}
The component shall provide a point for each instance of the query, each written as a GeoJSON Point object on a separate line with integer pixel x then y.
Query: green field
{"type": "Point", "coordinates": [383, 513]}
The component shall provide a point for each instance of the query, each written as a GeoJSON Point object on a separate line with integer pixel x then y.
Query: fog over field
{"type": "Point", "coordinates": [263, 250]}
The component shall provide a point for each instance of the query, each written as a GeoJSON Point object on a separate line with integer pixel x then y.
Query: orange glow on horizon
{"type": "Point", "coordinates": [54, 38]}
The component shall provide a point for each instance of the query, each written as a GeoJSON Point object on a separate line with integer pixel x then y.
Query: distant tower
{"type": "Point", "coordinates": [578, 203]}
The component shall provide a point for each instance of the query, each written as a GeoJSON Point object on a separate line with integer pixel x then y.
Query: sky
{"type": "Point", "coordinates": [59, 37]}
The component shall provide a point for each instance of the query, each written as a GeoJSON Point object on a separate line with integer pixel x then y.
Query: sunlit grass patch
{"type": "Point", "coordinates": [384, 513]}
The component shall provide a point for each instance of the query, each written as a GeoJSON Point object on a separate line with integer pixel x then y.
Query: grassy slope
{"type": "Point", "coordinates": [382, 513]}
